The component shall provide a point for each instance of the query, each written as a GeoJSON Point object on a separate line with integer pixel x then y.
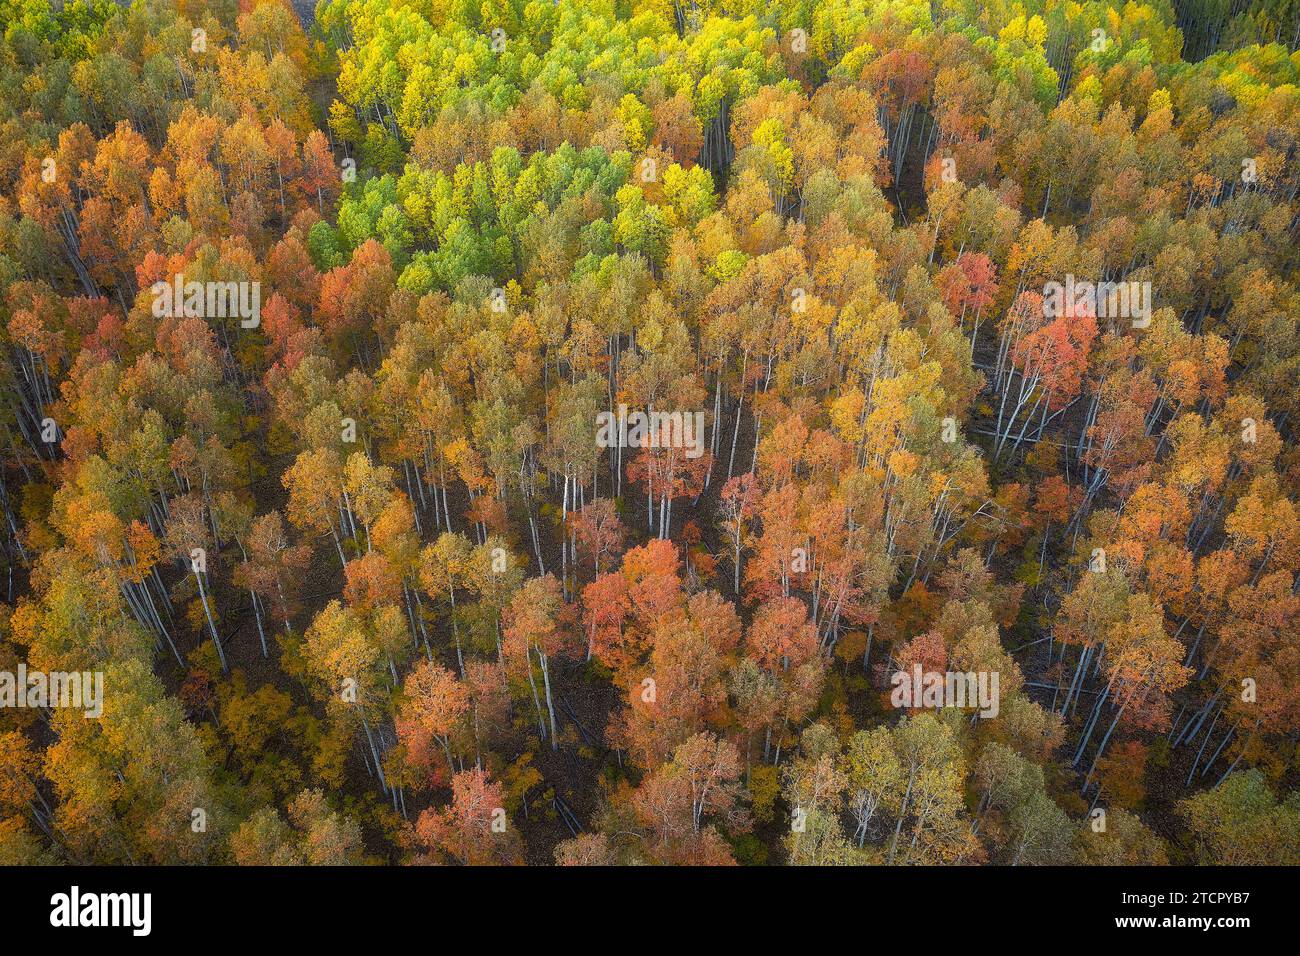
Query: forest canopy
{"type": "Point", "coordinates": [587, 432]}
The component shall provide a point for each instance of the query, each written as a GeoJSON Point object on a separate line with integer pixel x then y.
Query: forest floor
{"type": "Point", "coordinates": [306, 10]}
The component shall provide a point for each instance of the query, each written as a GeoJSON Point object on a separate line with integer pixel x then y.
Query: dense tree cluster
{"type": "Point", "coordinates": [365, 587]}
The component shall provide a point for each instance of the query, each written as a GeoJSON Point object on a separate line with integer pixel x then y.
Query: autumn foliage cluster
{"type": "Point", "coordinates": [364, 587]}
